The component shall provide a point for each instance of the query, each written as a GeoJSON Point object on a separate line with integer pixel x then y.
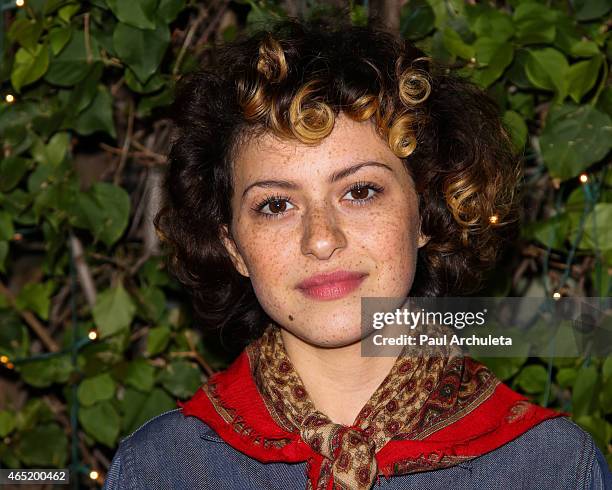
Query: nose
{"type": "Point", "coordinates": [322, 234]}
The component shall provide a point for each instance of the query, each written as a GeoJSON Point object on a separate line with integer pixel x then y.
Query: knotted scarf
{"type": "Point", "coordinates": [430, 412]}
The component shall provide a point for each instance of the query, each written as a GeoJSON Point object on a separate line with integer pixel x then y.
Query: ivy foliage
{"type": "Point", "coordinates": [84, 87]}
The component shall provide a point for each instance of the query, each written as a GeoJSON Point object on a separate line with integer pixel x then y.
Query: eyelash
{"type": "Point", "coordinates": [357, 202]}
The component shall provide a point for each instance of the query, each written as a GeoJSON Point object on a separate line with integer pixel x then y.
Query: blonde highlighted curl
{"type": "Point", "coordinates": [293, 80]}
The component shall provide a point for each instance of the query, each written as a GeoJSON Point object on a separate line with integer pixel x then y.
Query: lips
{"type": "Point", "coordinates": [330, 278]}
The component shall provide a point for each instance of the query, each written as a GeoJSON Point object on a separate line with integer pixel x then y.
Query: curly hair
{"type": "Point", "coordinates": [293, 80]}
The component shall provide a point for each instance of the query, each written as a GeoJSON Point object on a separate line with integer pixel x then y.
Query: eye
{"type": "Point", "coordinates": [360, 191]}
{"type": "Point", "coordinates": [277, 206]}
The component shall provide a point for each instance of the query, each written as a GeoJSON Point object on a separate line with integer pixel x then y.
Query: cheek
{"type": "Point", "coordinates": [391, 240]}
{"type": "Point", "coordinates": [265, 256]}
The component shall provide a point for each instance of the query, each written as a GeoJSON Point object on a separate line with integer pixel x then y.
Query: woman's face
{"type": "Point", "coordinates": [292, 221]}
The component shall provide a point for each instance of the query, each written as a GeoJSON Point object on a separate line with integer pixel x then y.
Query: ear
{"type": "Point", "coordinates": [422, 238]}
{"type": "Point", "coordinates": [233, 252]}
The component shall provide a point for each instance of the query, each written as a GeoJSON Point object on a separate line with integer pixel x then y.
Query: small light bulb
{"type": "Point", "coordinates": [9, 98]}
{"type": "Point", "coordinates": [4, 359]}
{"type": "Point", "coordinates": [10, 365]}
{"type": "Point", "coordinates": [20, 3]}
{"type": "Point", "coordinates": [584, 178]}
{"type": "Point", "coordinates": [556, 295]}
{"type": "Point", "coordinates": [93, 335]}
{"type": "Point", "coordinates": [93, 475]}
{"type": "Point", "coordinates": [493, 219]}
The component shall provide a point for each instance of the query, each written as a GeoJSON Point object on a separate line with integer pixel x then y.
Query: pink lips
{"type": "Point", "coordinates": [331, 286]}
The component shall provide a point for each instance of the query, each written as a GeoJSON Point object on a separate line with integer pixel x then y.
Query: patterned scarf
{"type": "Point", "coordinates": [415, 390]}
{"type": "Point", "coordinates": [430, 412]}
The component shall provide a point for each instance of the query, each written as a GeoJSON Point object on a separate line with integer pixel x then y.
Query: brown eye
{"type": "Point", "coordinates": [278, 206]}
{"type": "Point", "coordinates": [360, 193]}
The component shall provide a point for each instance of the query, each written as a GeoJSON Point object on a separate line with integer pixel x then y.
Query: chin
{"type": "Point", "coordinates": [332, 338]}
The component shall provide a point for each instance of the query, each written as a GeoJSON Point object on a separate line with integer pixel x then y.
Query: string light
{"type": "Point", "coordinates": [10, 365]}
{"type": "Point", "coordinates": [556, 295]}
{"type": "Point", "coordinates": [9, 98]}
{"type": "Point", "coordinates": [493, 219]}
{"type": "Point", "coordinates": [20, 3]}
{"type": "Point", "coordinates": [584, 178]}
{"type": "Point", "coordinates": [4, 359]}
{"type": "Point", "coordinates": [93, 335]}
{"type": "Point", "coordinates": [93, 474]}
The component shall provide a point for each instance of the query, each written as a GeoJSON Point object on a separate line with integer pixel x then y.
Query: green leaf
{"type": "Point", "coordinates": [547, 69]}
{"type": "Point", "coordinates": [44, 372]}
{"type": "Point", "coordinates": [494, 24]}
{"type": "Point", "coordinates": [157, 340]}
{"type": "Point", "coordinates": [105, 210]}
{"type": "Point", "coordinates": [155, 82]}
{"type": "Point", "coordinates": [137, 13]}
{"type": "Point", "coordinates": [114, 311]}
{"type": "Point", "coordinates": [582, 77]}
{"type": "Point", "coordinates": [493, 58]}
{"type": "Point", "coordinates": [43, 447]}
{"type": "Point", "coordinates": [505, 368]}
{"type": "Point", "coordinates": [72, 64]}
{"type": "Point", "coordinates": [98, 116]}
{"type": "Point", "coordinates": [566, 377]}
{"type": "Point", "coordinates": [605, 396]}
{"type": "Point", "coordinates": [574, 138]}
{"type": "Point", "coordinates": [138, 408]}
{"type": "Point", "coordinates": [155, 303]}
{"type": "Point", "coordinates": [6, 226]}
{"type": "Point", "coordinates": [66, 12]}
{"type": "Point", "coordinates": [456, 45]}
{"type": "Point", "coordinates": [597, 231]}
{"type": "Point", "coordinates": [58, 38]}
{"type": "Point", "coordinates": [36, 297]}
{"type": "Point", "coordinates": [147, 104]}
{"type": "Point", "coordinates": [532, 379]}
{"type": "Point", "coordinates": [599, 428]}
{"type": "Point", "coordinates": [167, 10]}
{"type": "Point", "coordinates": [551, 232]}
{"type": "Point", "coordinates": [591, 9]}
{"type": "Point", "coordinates": [7, 422]}
{"type": "Point", "coordinates": [515, 124]}
{"type": "Point", "coordinates": [141, 50]}
{"type": "Point", "coordinates": [29, 66]}
{"type": "Point", "coordinates": [416, 19]}
{"type": "Point", "coordinates": [181, 378]}
{"type": "Point", "coordinates": [101, 421]}
{"type": "Point", "coordinates": [4, 250]}
{"type": "Point", "coordinates": [26, 32]}
{"type": "Point", "coordinates": [535, 23]}
{"type": "Point", "coordinates": [140, 375]}
{"type": "Point", "coordinates": [585, 389]}
{"type": "Point", "coordinates": [96, 389]}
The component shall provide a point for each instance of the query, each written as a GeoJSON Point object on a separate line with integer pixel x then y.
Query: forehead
{"type": "Point", "coordinates": [349, 141]}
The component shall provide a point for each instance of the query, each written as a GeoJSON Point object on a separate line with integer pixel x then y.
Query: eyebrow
{"type": "Point", "coordinates": [334, 177]}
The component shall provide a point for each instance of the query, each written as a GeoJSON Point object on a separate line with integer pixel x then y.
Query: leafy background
{"type": "Point", "coordinates": [96, 337]}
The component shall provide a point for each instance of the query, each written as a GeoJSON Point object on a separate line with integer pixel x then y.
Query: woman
{"type": "Point", "coordinates": [314, 166]}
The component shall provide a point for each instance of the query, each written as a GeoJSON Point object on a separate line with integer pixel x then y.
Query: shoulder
{"type": "Point", "coordinates": [158, 449]}
{"type": "Point", "coordinates": [170, 427]}
{"type": "Point", "coordinates": [557, 450]}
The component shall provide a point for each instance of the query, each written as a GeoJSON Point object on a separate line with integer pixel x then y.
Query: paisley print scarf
{"type": "Point", "coordinates": [430, 412]}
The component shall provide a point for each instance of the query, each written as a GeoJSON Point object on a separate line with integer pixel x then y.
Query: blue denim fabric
{"type": "Point", "coordinates": [173, 452]}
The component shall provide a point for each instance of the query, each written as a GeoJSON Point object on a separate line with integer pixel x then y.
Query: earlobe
{"type": "Point", "coordinates": [233, 252]}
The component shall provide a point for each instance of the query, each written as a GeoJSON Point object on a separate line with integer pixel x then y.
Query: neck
{"type": "Point", "coordinates": [339, 380]}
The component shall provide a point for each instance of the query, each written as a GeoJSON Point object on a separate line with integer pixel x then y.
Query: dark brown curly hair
{"type": "Point", "coordinates": [293, 80]}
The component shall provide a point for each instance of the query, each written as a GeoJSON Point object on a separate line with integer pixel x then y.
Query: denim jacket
{"type": "Point", "coordinates": [174, 452]}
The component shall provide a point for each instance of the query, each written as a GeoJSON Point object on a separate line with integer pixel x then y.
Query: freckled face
{"type": "Point", "coordinates": [366, 222]}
